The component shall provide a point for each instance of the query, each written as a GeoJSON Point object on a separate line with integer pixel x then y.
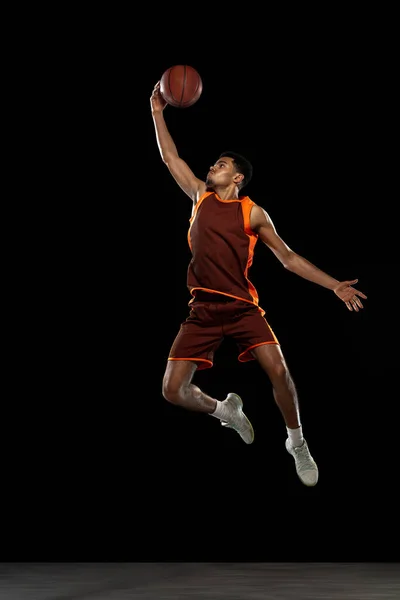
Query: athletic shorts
{"type": "Point", "coordinates": [209, 322]}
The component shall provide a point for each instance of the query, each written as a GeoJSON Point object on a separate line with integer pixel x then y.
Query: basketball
{"type": "Point", "coordinates": [181, 86]}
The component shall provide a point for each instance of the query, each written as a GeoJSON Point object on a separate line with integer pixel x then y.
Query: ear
{"type": "Point", "coordinates": [238, 178]}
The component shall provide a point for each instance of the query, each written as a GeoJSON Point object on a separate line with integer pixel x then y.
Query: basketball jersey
{"type": "Point", "coordinates": [222, 246]}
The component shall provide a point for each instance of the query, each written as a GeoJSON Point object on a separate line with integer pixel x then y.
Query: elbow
{"type": "Point", "coordinates": [289, 261]}
{"type": "Point", "coordinates": [168, 157]}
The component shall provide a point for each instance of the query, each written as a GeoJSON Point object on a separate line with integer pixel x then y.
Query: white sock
{"type": "Point", "coordinates": [220, 411]}
{"type": "Point", "coordinates": [295, 436]}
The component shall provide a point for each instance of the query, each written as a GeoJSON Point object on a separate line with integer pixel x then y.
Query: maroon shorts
{"type": "Point", "coordinates": [209, 322]}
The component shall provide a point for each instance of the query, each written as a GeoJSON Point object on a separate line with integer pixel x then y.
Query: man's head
{"type": "Point", "coordinates": [230, 168]}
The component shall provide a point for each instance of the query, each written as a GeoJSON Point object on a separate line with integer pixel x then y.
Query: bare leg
{"type": "Point", "coordinates": [178, 389]}
{"type": "Point", "coordinates": [271, 359]}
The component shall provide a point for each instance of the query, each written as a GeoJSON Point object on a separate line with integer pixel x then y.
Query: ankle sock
{"type": "Point", "coordinates": [220, 411]}
{"type": "Point", "coordinates": [295, 436]}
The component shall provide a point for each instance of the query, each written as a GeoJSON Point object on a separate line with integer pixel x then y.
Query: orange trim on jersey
{"type": "Point", "coordinates": [203, 289]}
{"type": "Point", "coordinates": [230, 199]}
{"type": "Point", "coordinates": [247, 205]}
{"type": "Point", "coordinates": [243, 358]}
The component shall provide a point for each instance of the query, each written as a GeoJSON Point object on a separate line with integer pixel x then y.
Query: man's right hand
{"type": "Point", "coordinates": [156, 100]}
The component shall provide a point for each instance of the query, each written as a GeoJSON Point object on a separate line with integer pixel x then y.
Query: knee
{"type": "Point", "coordinates": [279, 373]}
{"type": "Point", "coordinates": [171, 390]}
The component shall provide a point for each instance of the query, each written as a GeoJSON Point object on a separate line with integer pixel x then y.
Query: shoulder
{"type": "Point", "coordinates": [253, 206]}
{"type": "Point", "coordinates": [258, 216]}
{"type": "Point", "coordinates": [202, 193]}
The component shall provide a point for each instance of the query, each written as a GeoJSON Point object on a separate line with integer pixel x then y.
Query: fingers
{"type": "Point", "coordinates": [360, 294]}
{"type": "Point", "coordinates": [156, 90]}
{"type": "Point", "coordinates": [358, 302]}
{"type": "Point", "coordinates": [354, 304]}
{"type": "Point", "coordinates": [350, 295]}
{"type": "Point", "coordinates": [351, 305]}
{"type": "Point", "coordinates": [350, 283]}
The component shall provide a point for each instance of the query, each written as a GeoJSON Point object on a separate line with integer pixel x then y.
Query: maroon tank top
{"type": "Point", "coordinates": [222, 246]}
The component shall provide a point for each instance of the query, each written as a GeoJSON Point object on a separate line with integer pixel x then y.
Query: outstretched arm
{"type": "Point", "coordinates": [261, 223]}
{"type": "Point", "coordinates": [180, 171]}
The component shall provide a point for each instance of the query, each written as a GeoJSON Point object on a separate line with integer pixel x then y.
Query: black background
{"type": "Point", "coordinates": [309, 128]}
{"type": "Point", "coordinates": [111, 470]}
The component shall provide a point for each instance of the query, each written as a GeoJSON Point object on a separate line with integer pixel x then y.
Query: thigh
{"type": "Point", "coordinates": [198, 337]}
{"type": "Point", "coordinates": [250, 330]}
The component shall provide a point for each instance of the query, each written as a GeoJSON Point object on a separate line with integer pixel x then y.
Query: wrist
{"type": "Point", "coordinates": [334, 285]}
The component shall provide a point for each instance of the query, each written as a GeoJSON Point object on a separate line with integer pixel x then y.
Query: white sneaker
{"type": "Point", "coordinates": [238, 421]}
{"type": "Point", "coordinates": [306, 467]}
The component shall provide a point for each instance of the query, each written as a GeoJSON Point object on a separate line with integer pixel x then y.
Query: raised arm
{"type": "Point", "coordinates": [179, 169]}
{"type": "Point", "coordinates": [261, 223]}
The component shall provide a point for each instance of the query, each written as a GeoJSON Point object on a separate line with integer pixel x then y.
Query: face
{"type": "Point", "coordinates": [223, 173]}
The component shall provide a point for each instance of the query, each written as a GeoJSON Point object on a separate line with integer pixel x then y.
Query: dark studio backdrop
{"type": "Point", "coordinates": [123, 475]}
{"type": "Point", "coordinates": [311, 136]}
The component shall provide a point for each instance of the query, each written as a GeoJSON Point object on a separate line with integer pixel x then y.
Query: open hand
{"type": "Point", "coordinates": [349, 295]}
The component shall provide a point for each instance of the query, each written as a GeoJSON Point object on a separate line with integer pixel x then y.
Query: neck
{"type": "Point", "coordinates": [229, 193]}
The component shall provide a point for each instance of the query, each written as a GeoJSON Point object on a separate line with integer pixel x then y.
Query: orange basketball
{"type": "Point", "coordinates": [181, 86]}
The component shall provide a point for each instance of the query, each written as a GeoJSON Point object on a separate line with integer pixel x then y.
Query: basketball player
{"type": "Point", "coordinates": [224, 228]}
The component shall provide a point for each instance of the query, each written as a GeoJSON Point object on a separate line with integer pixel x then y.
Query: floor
{"type": "Point", "coordinates": [214, 581]}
